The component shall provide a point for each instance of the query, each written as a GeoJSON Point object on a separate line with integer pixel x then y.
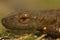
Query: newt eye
{"type": "Point", "coordinates": [24, 18]}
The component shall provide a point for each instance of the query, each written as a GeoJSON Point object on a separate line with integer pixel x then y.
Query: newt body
{"type": "Point", "coordinates": [46, 21]}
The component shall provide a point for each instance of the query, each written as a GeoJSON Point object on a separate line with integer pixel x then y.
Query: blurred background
{"type": "Point", "coordinates": [8, 6]}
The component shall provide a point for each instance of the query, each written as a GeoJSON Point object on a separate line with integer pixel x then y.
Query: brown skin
{"type": "Point", "coordinates": [46, 21]}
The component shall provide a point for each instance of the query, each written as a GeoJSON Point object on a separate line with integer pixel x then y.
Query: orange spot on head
{"type": "Point", "coordinates": [44, 28]}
